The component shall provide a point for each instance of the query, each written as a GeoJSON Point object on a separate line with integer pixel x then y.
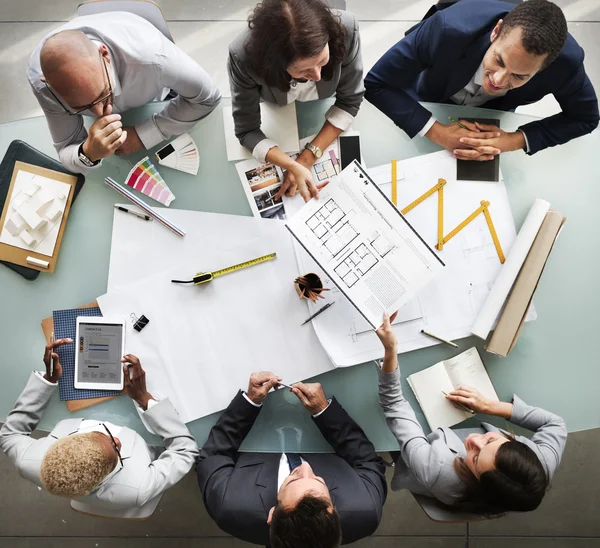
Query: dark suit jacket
{"type": "Point", "coordinates": [439, 57]}
{"type": "Point", "coordinates": [239, 489]}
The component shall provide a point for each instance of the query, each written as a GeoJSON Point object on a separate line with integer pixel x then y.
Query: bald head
{"type": "Point", "coordinates": [71, 64]}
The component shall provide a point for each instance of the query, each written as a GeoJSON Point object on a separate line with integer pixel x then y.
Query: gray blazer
{"type": "Point", "coordinates": [426, 466]}
{"type": "Point", "coordinates": [247, 88]}
{"type": "Point", "coordinates": [139, 481]}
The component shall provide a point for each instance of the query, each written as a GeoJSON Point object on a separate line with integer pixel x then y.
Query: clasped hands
{"type": "Point", "coordinates": [311, 394]}
{"type": "Point", "coordinates": [480, 142]}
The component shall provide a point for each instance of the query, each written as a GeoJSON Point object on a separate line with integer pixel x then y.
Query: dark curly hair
{"type": "Point", "coordinates": [518, 482]}
{"type": "Point", "coordinates": [313, 523]}
{"type": "Point", "coordinates": [543, 26]}
{"type": "Point", "coordinates": [282, 31]}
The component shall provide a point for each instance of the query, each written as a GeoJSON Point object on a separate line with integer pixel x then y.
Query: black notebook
{"type": "Point", "coordinates": [18, 151]}
{"type": "Point", "coordinates": [469, 170]}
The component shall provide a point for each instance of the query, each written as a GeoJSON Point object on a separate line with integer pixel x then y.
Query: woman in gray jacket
{"type": "Point", "coordinates": [484, 470]}
{"type": "Point", "coordinates": [295, 50]}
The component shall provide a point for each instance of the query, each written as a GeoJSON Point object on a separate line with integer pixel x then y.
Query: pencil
{"type": "Point", "coordinates": [455, 121]}
{"type": "Point", "coordinates": [439, 338]}
{"type": "Point", "coordinates": [461, 405]}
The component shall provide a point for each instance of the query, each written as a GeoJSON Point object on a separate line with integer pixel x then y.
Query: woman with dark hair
{"type": "Point", "coordinates": [482, 470]}
{"type": "Point", "coordinates": [295, 50]}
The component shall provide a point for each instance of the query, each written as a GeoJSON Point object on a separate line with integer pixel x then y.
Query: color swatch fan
{"type": "Point", "coordinates": [145, 178]}
{"type": "Point", "coordinates": [181, 154]}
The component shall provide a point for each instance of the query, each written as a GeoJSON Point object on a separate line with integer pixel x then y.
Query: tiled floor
{"type": "Point", "coordinates": [32, 519]}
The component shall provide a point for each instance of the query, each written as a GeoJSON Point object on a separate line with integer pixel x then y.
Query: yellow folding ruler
{"type": "Point", "coordinates": [439, 188]}
{"type": "Point", "coordinates": [205, 277]}
{"type": "Point", "coordinates": [482, 209]}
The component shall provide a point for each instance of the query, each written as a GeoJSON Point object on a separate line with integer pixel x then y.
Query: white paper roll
{"type": "Point", "coordinates": [508, 274]}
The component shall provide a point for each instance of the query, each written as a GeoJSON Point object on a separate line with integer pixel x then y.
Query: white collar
{"type": "Point", "coordinates": [478, 78]}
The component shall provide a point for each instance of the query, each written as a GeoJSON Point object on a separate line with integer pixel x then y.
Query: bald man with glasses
{"type": "Point", "coordinates": [100, 465]}
{"type": "Point", "coordinates": [102, 65]}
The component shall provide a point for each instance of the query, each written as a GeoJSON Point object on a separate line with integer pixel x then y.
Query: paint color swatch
{"type": "Point", "coordinates": [146, 179]}
{"type": "Point", "coordinates": [181, 154]}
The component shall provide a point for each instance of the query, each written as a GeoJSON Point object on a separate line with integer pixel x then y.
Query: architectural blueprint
{"type": "Point", "coordinates": [364, 245]}
{"type": "Point", "coordinates": [449, 304]}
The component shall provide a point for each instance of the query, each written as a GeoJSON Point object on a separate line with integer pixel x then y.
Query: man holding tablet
{"type": "Point", "coordinates": [99, 464]}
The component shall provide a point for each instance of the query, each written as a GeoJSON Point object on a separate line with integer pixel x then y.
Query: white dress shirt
{"type": "Point", "coordinates": [143, 63]}
{"type": "Point", "coordinates": [304, 92]}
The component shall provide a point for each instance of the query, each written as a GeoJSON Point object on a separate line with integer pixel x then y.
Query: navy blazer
{"type": "Point", "coordinates": [439, 57]}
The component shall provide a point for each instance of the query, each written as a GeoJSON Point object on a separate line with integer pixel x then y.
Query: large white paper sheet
{"type": "Point", "coordinates": [203, 338]}
{"type": "Point", "coordinates": [364, 245]}
{"type": "Point", "coordinates": [451, 302]}
{"type": "Point", "coordinates": [277, 123]}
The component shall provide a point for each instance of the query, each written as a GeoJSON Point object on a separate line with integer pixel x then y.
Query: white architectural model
{"type": "Point", "coordinates": [36, 208]}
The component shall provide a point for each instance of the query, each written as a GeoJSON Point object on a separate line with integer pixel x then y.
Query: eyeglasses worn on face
{"type": "Point", "coordinates": [114, 442]}
{"type": "Point", "coordinates": [101, 99]}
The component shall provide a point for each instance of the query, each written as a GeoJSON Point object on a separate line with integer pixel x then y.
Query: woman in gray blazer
{"type": "Point", "coordinates": [484, 470]}
{"type": "Point", "coordinates": [295, 50]}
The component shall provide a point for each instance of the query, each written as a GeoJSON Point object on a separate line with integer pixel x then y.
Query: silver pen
{"type": "Point", "coordinates": [52, 341]}
{"type": "Point", "coordinates": [139, 215]}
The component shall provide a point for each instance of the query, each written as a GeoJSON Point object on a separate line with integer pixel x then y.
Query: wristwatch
{"type": "Point", "coordinates": [317, 152]}
{"type": "Point", "coordinates": [84, 159]}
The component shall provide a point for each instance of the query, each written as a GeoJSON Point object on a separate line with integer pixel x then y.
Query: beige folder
{"type": "Point", "coordinates": [512, 317]}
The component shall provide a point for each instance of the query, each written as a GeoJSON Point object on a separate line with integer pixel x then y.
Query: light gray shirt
{"type": "Point", "coordinates": [143, 64]}
{"type": "Point", "coordinates": [427, 463]}
{"type": "Point", "coordinates": [142, 476]}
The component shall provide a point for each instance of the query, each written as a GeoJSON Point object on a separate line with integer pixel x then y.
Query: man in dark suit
{"type": "Point", "coordinates": [487, 53]}
{"type": "Point", "coordinates": [307, 500]}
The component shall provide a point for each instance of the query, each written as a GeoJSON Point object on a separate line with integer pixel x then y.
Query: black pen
{"type": "Point", "coordinates": [140, 215]}
{"type": "Point", "coordinates": [317, 313]}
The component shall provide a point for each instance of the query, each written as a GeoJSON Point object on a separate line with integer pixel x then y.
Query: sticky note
{"type": "Point", "coordinates": [54, 211]}
{"type": "Point", "coordinates": [15, 224]}
{"type": "Point", "coordinates": [31, 217]}
{"type": "Point", "coordinates": [28, 238]}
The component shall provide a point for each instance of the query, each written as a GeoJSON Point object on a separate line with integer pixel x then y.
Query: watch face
{"type": "Point", "coordinates": [318, 152]}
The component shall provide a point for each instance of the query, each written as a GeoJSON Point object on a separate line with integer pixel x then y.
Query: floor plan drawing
{"type": "Point", "coordinates": [356, 265]}
{"type": "Point", "coordinates": [332, 227]}
{"type": "Point", "coordinates": [381, 244]}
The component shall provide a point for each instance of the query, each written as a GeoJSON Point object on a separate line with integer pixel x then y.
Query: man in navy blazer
{"type": "Point", "coordinates": [487, 53]}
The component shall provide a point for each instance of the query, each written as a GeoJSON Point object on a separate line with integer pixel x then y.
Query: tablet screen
{"type": "Point", "coordinates": [100, 347]}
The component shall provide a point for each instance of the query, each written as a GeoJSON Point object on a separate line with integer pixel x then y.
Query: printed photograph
{"type": "Point", "coordinates": [267, 206]}
{"type": "Point", "coordinates": [263, 176]}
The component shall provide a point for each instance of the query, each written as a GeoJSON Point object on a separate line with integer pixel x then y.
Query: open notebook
{"type": "Point", "coordinates": [466, 369]}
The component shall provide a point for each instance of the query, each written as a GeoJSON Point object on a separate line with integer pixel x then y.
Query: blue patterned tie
{"type": "Point", "coordinates": [294, 460]}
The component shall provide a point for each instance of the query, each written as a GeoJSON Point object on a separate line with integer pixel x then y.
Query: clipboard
{"type": "Point", "coordinates": [73, 405]}
{"type": "Point", "coordinates": [17, 255]}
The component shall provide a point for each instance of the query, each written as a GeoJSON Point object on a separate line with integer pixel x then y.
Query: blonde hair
{"type": "Point", "coordinates": [75, 465]}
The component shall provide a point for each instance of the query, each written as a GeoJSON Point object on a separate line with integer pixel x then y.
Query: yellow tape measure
{"type": "Point", "coordinates": [439, 188]}
{"type": "Point", "coordinates": [205, 277]}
